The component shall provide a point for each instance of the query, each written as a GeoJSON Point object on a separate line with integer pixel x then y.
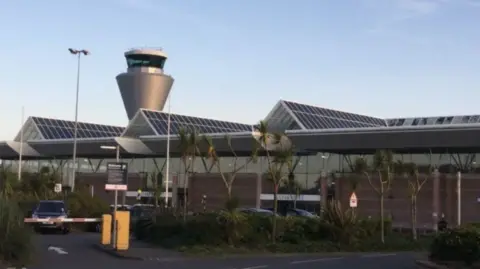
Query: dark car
{"type": "Point", "coordinates": [256, 211]}
{"type": "Point", "coordinates": [140, 211]}
{"type": "Point", "coordinates": [300, 213]}
{"type": "Point", "coordinates": [51, 210]}
{"type": "Point", "coordinates": [294, 212]}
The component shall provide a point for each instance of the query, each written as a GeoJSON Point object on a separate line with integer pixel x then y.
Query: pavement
{"type": "Point", "coordinates": [75, 251]}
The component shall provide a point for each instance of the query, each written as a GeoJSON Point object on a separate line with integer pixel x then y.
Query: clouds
{"type": "Point", "coordinates": [420, 7]}
{"type": "Point", "coordinates": [393, 13]}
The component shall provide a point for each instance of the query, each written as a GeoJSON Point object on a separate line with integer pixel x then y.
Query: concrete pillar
{"type": "Point", "coordinates": [339, 179]}
{"type": "Point", "coordinates": [459, 198]}
{"type": "Point", "coordinates": [323, 189]}
{"type": "Point", "coordinates": [436, 198]}
{"type": "Point", "coordinates": [449, 199]}
{"type": "Point", "coordinates": [174, 190]}
{"type": "Point", "coordinates": [258, 202]}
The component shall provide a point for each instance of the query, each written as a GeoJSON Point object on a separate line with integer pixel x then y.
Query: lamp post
{"type": "Point", "coordinates": [78, 53]}
{"type": "Point", "coordinates": [20, 155]}
{"type": "Point", "coordinates": [167, 177]}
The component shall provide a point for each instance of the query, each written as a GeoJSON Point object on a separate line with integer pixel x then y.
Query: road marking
{"type": "Point", "coordinates": [378, 255]}
{"type": "Point", "coordinates": [58, 250]}
{"type": "Point", "coordinates": [256, 267]}
{"type": "Point", "coordinates": [316, 260]}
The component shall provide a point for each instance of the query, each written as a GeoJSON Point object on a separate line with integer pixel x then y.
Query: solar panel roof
{"type": "Point", "coordinates": [159, 121]}
{"type": "Point", "coordinates": [62, 129]}
{"type": "Point", "coordinates": [313, 117]}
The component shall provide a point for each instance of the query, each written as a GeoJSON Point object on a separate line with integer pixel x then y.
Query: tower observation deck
{"type": "Point", "coordinates": [144, 85]}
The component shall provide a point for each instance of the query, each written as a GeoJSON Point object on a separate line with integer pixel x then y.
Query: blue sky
{"type": "Point", "coordinates": [233, 60]}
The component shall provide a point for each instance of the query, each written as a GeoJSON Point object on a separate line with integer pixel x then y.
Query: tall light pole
{"type": "Point", "coordinates": [167, 177]}
{"type": "Point", "coordinates": [78, 53]}
{"type": "Point", "coordinates": [21, 147]}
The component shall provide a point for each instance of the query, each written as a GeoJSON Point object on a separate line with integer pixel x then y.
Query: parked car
{"type": "Point", "coordinates": [294, 212]}
{"type": "Point", "coordinates": [300, 213]}
{"type": "Point", "coordinates": [139, 211]}
{"type": "Point", "coordinates": [51, 209]}
{"type": "Point", "coordinates": [256, 211]}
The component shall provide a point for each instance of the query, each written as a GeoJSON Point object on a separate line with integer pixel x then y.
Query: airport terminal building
{"type": "Point", "coordinates": [327, 142]}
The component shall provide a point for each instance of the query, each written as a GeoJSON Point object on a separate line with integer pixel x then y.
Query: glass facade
{"type": "Point", "coordinates": [144, 60]}
{"type": "Point", "coordinates": [307, 172]}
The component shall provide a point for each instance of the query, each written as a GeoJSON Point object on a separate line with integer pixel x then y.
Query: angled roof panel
{"type": "Point", "coordinates": [29, 131]}
{"type": "Point", "coordinates": [159, 121]}
{"type": "Point", "coordinates": [281, 118]}
{"type": "Point", "coordinates": [139, 126]}
{"type": "Point", "coordinates": [313, 117]}
{"type": "Point", "coordinates": [63, 129]}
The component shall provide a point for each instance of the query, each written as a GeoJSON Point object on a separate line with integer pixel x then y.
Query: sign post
{"type": "Point", "coordinates": [116, 181]}
{"type": "Point", "coordinates": [57, 188]}
{"type": "Point", "coordinates": [353, 200]}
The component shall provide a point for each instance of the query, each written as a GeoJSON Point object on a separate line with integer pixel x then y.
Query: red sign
{"type": "Point", "coordinates": [353, 200]}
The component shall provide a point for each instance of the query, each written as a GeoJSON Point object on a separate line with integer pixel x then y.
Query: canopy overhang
{"type": "Point", "coordinates": [453, 139]}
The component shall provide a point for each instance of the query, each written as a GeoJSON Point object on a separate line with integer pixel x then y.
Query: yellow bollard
{"type": "Point", "coordinates": [106, 229]}
{"type": "Point", "coordinates": [123, 230]}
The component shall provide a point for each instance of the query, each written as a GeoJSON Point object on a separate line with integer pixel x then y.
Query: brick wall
{"type": "Point", "coordinates": [245, 188]}
{"type": "Point", "coordinates": [397, 201]}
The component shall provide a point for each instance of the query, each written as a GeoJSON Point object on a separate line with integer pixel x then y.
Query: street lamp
{"type": "Point", "coordinates": [75, 128]}
{"type": "Point", "coordinates": [167, 177]}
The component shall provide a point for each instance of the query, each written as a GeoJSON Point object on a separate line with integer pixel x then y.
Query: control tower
{"type": "Point", "coordinates": [144, 85]}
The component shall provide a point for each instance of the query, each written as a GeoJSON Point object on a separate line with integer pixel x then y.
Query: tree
{"type": "Point", "coordinates": [156, 181]}
{"type": "Point", "coordinates": [291, 184]}
{"type": "Point", "coordinates": [382, 167]}
{"type": "Point", "coordinates": [228, 177]}
{"type": "Point", "coordinates": [278, 153]}
{"type": "Point", "coordinates": [415, 183]}
{"type": "Point", "coordinates": [189, 151]}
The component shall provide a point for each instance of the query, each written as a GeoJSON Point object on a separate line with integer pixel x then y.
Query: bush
{"type": "Point", "coordinates": [457, 245]}
{"type": "Point", "coordinates": [230, 230]}
{"type": "Point", "coordinates": [81, 204]}
{"type": "Point", "coordinates": [15, 237]}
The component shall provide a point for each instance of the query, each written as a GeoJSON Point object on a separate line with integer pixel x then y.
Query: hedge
{"type": "Point", "coordinates": [460, 245]}
{"type": "Point", "coordinates": [297, 234]}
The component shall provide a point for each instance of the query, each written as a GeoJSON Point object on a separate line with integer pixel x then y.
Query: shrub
{"type": "Point", "coordinates": [371, 227]}
{"type": "Point", "coordinates": [81, 204]}
{"type": "Point", "coordinates": [338, 230]}
{"type": "Point", "coordinates": [460, 245]}
{"type": "Point", "coordinates": [15, 236]}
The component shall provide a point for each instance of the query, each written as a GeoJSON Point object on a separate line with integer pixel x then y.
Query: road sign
{"type": "Point", "coordinates": [353, 200]}
{"type": "Point", "coordinates": [117, 176]}
{"type": "Point", "coordinates": [57, 188]}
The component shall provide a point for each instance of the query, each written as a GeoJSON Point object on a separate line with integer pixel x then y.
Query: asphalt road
{"type": "Point", "coordinates": [74, 251]}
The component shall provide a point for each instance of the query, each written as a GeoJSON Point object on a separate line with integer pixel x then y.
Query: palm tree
{"type": "Point", "coordinates": [279, 154]}
{"type": "Point", "coordinates": [228, 177]}
{"type": "Point", "coordinates": [189, 148]}
{"type": "Point", "coordinates": [156, 181]}
{"type": "Point", "coordinates": [290, 183]}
